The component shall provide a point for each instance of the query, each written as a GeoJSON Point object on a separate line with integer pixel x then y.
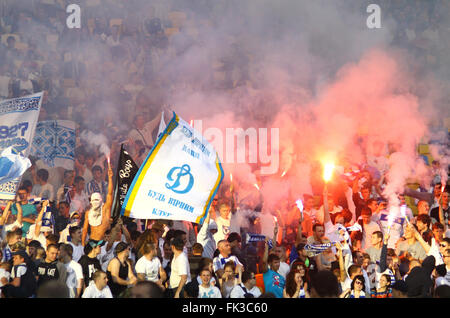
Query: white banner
{"type": "Point", "coordinates": [178, 179]}
{"type": "Point", "coordinates": [18, 118]}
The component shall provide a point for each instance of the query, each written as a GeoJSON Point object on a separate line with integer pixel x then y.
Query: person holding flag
{"type": "Point", "coordinates": [98, 216]}
{"type": "Point", "coordinates": [179, 178]}
{"type": "Point", "coordinates": [393, 222]}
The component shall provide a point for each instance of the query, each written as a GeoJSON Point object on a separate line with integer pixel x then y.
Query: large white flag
{"type": "Point", "coordinates": [18, 118]}
{"type": "Point", "coordinates": [178, 179]}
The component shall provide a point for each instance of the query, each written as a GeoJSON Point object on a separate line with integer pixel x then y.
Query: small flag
{"type": "Point", "coordinates": [253, 237]}
{"type": "Point", "coordinates": [36, 200]}
{"type": "Point", "coordinates": [126, 171]}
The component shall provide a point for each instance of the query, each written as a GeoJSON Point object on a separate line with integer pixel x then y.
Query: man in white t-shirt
{"type": "Point", "coordinates": [79, 198]}
{"type": "Point", "coordinates": [186, 227]}
{"type": "Point", "coordinates": [148, 267]}
{"type": "Point", "coordinates": [206, 237]}
{"type": "Point", "coordinates": [37, 231]}
{"type": "Point", "coordinates": [75, 277]}
{"type": "Point", "coordinates": [205, 289]}
{"type": "Point", "coordinates": [98, 288]}
{"type": "Point", "coordinates": [75, 242]}
{"type": "Point", "coordinates": [248, 286]}
{"type": "Point", "coordinates": [42, 188]}
{"type": "Point", "coordinates": [223, 223]}
{"type": "Point", "coordinates": [180, 272]}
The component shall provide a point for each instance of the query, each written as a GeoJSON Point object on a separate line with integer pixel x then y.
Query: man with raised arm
{"type": "Point", "coordinates": [98, 216]}
{"type": "Point", "coordinates": [274, 282]}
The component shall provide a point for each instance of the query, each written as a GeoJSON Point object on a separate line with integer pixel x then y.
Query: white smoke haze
{"type": "Point", "coordinates": [244, 216]}
{"type": "Point", "coordinates": [310, 68]}
{"type": "Point", "coordinates": [96, 140]}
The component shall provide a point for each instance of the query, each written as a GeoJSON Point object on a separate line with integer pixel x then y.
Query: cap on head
{"type": "Point", "coordinates": [212, 225]}
{"type": "Point", "coordinates": [21, 253]}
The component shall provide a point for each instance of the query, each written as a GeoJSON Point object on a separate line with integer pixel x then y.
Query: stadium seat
{"type": "Point", "coordinates": [17, 63]}
{"type": "Point", "coordinates": [52, 39]}
{"type": "Point", "coordinates": [424, 149]}
{"type": "Point", "coordinates": [21, 46]}
{"type": "Point", "coordinates": [115, 22]}
{"type": "Point", "coordinates": [93, 3]}
{"type": "Point", "coordinates": [260, 282]}
{"type": "Point", "coordinates": [411, 204]}
{"type": "Point", "coordinates": [171, 31]}
{"type": "Point", "coordinates": [91, 25]}
{"type": "Point", "coordinates": [68, 82]}
{"type": "Point", "coordinates": [192, 32]}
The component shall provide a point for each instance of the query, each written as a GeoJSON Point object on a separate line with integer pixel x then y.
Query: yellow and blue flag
{"type": "Point", "coordinates": [179, 178]}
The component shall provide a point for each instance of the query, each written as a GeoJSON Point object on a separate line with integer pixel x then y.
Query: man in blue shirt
{"type": "Point", "coordinates": [29, 210]}
{"type": "Point", "coordinates": [273, 281]}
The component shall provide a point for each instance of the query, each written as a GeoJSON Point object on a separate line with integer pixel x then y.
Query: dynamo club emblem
{"type": "Point", "coordinates": [182, 179]}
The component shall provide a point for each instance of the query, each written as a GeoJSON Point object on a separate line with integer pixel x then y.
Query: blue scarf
{"type": "Point", "coordinates": [253, 237]}
{"type": "Point", "coordinates": [318, 248]}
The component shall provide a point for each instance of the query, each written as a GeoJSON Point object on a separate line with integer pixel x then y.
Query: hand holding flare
{"type": "Point", "coordinates": [328, 172]}
{"type": "Point", "coordinates": [391, 218]}
{"type": "Point", "coordinates": [231, 183]}
{"type": "Point", "coordinates": [403, 211]}
{"type": "Point", "coordinates": [300, 206]}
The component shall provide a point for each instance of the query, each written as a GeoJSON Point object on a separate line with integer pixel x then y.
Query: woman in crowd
{"type": "Point", "coordinates": [296, 287]}
{"type": "Point", "coordinates": [385, 290]}
{"type": "Point", "coordinates": [356, 290]}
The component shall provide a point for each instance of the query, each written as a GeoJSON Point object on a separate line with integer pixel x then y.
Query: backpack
{"type": "Point", "coordinates": [246, 293]}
